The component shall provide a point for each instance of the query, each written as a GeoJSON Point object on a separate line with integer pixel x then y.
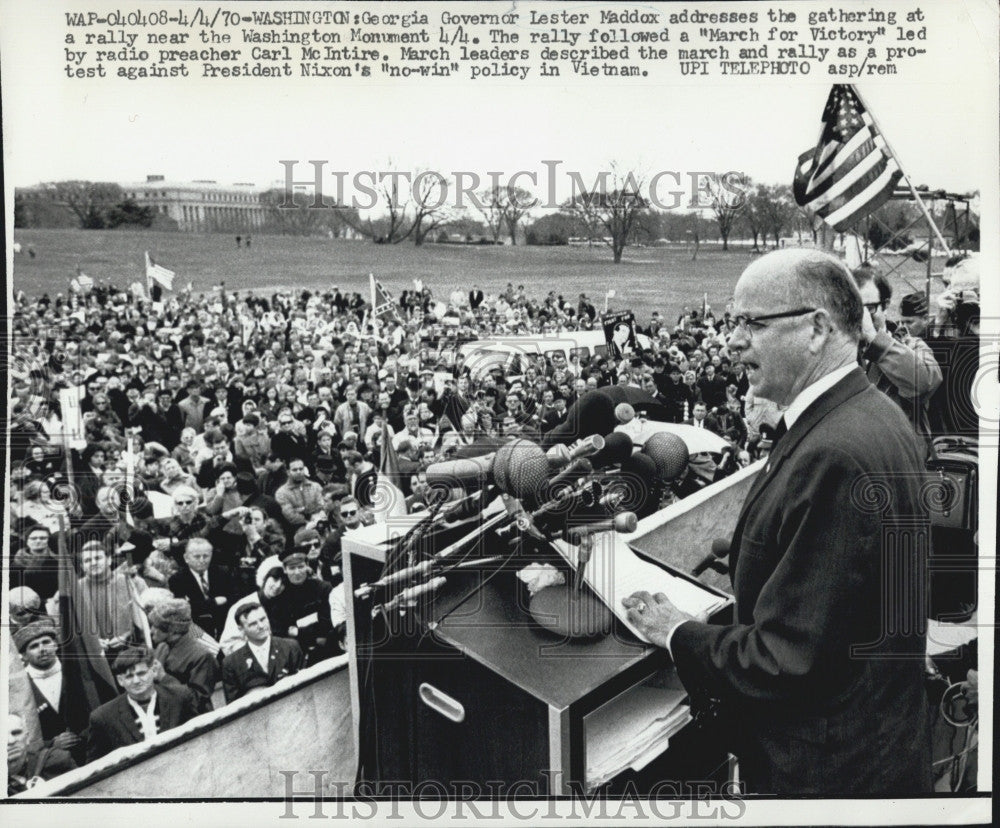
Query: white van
{"type": "Point", "coordinates": [515, 353]}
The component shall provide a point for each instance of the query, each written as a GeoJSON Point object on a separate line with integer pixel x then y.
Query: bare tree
{"type": "Point", "coordinates": [490, 204]}
{"type": "Point", "coordinates": [609, 215]}
{"type": "Point", "coordinates": [727, 201]}
{"type": "Point", "coordinates": [515, 208]}
{"type": "Point", "coordinates": [89, 200]}
{"type": "Point", "coordinates": [430, 205]}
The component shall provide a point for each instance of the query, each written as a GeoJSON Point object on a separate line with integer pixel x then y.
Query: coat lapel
{"type": "Point", "coordinates": [851, 385]}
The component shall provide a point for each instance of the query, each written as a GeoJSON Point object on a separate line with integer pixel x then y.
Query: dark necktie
{"type": "Point", "coordinates": [779, 432]}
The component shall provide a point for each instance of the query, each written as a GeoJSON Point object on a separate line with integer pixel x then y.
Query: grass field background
{"type": "Point", "coordinates": [651, 278]}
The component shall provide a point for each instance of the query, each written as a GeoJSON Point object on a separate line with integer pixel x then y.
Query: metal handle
{"type": "Point", "coordinates": [441, 703]}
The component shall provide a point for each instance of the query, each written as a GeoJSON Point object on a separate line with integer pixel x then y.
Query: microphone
{"type": "Point", "coordinates": [409, 573]}
{"type": "Point", "coordinates": [518, 469]}
{"type": "Point", "coordinates": [579, 466]}
{"type": "Point", "coordinates": [409, 596]}
{"type": "Point", "coordinates": [617, 449]}
{"type": "Point", "coordinates": [624, 413]}
{"type": "Point", "coordinates": [560, 455]}
{"type": "Point", "coordinates": [468, 506]}
{"type": "Point", "coordinates": [623, 522]}
{"type": "Point", "coordinates": [720, 549]}
{"type": "Point", "coordinates": [582, 536]}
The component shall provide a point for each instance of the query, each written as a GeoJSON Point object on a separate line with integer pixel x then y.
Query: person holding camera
{"type": "Point", "coordinates": [262, 538]}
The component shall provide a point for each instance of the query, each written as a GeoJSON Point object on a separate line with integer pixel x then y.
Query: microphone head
{"type": "Point", "coordinates": [669, 452]}
{"type": "Point", "coordinates": [521, 470]}
{"type": "Point", "coordinates": [625, 522]}
{"type": "Point", "coordinates": [624, 413]}
{"type": "Point", "coordinates": [720, 547]}
{"type": "Point", "coordinates": [638, 478]}
{"type": "Point", "coordinates": [587, 447]}
{"type": "Point", "coordinates": [617, 449]}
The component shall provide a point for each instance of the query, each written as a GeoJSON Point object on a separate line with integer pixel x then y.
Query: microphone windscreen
{"type": "Point", "coordinates": [523, 469]}
{"type": "Point", "coordinates": [720, 547]}
{"type": "Point", "coordinates": [624, 413]}
{"type": "Point", "coordinates": [467, 473]}
{"type": "Point", "coordinates": [638, 479]}
{"type": "Point", "coordinates": [669, 452]}
{"type": "Point", "coordinates": [617, 449]}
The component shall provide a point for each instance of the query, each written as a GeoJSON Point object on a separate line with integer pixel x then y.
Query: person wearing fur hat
{"type": "Point", "coordinates": [38, 695]}
{"type": "Point", "coordinates": [183, 657]}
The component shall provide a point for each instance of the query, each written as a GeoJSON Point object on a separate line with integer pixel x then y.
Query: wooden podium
{"type": "Point", "coordinates": [467, 689]}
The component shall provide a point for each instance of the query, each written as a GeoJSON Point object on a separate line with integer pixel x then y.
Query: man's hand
{"type": "Point", "coordinates": [161, 544]}
{"type": "Point", "coordinates": [654, 616]}
{"type": "Point", "coordinates": [67, 740]}
{"type": "Point", "coordinates": [868, 329]}
{"type": "Point", "coordinates": [221, 600]}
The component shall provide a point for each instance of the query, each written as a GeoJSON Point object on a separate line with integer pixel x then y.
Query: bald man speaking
{"type": "Point", "coordinates": [822, 671]}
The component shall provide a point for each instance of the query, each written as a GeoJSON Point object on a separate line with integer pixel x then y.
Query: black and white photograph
{"type": "Point", "coordinates": [521, 413]}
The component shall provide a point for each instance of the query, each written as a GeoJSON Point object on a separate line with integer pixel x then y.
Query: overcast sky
{"type": "Point", "coordinates": [236, 130]}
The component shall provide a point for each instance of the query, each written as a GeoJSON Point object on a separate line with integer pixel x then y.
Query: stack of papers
{"type": "Point", "coordinates": [632, 730]}
{"type": "Point", "coordinates": [615, 572]}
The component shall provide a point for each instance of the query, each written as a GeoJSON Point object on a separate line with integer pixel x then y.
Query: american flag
{"type": "Point", "coordinates": [158, 273]}
{"type": "Point", "coordinates": [383, 308]}
{"type": "Point", "coordinates": [852, 171]}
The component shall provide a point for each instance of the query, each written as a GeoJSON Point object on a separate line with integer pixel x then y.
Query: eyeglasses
{"type": "Point", "coordinates": [873, 307]}
{"type": "Point", "coordinates": [746, 324]}
{"type": "Point", "coordinates": [349, 513]}
{"type": "Point", "coordinates": [184, 502]}
{"type": "Point", "coordinates": [285, 422]}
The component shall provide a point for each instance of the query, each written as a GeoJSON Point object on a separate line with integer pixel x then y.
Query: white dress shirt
{"type": "Point", "coordinates": [261, 652]}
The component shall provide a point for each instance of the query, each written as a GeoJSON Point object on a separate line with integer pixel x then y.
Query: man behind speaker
{"type": "Point", "coordinates": [822, 669]}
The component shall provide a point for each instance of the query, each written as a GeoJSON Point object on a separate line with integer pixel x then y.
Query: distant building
{"type": "Point", "coordinates": [201, 206]}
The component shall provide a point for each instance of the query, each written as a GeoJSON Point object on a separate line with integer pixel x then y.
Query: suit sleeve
{"type": "Point", "coordinates": [97, 739]}
{"type": "Point", "coordinates": [807, 614]}
{"type": "Point", "coordinates": [230, 680]}
{"type": "Point", "coordinates": [203, 678]}
{"type": "Point", "coordinates": [295, 657]}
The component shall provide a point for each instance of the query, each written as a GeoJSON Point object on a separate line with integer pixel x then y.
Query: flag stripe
{"type": "Point", "coordinates": [851, 171]}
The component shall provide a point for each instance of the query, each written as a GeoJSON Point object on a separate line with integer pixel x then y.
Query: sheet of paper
{"type": "Point", "coordinates": [615, 572]}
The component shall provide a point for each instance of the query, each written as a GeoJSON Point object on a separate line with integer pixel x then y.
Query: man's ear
{"type": "Point", "coordinates": [822, 328]}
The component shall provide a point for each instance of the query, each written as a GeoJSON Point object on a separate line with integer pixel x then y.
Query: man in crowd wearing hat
{"type": "Point", "coordinates": [188, 522]}
{"type": "Point", "coordinates": [263, 660]}
{"type": "Point", "coordinates": [209, 589]}
{"type": "Point", "coordinates": [146, 708]}
{"type": "Point", "coordinates": [352, 415]}
{"type": "Point", "coordinates": [184, 657]}
{"type": "Point", "coordinates": [302, 610]}
{"type": "Point", "coordinates": [194, 407]}
{"type": "Point", "coordinates": [38, 694]}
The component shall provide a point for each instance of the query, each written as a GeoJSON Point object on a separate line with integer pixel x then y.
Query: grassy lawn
{"type": "Point", "coordinates": [660, 278]}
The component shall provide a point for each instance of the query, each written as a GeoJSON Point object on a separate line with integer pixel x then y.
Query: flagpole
{"type": "Point", "coordinates": [906, 178]}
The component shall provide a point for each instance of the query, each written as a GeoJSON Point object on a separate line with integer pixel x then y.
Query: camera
{"type": "Point", "coordinates": [247, 519]}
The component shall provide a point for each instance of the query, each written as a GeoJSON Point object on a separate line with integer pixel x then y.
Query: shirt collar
{"type": "Point", "coordinates": [808, 395]}
{"type": "Point", "coordinates": [36, 674]}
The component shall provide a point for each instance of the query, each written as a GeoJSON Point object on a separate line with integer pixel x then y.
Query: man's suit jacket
{"type": "Point", "coordinates": [206, 612]}
{"type": "Point", "coordinates": [241, 672]}
{"type": "Point", "coordinates": [823, 669]}
{"type": "Point", "coordinates": [113, 724]}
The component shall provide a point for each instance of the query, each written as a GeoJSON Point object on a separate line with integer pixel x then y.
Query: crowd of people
{"type": "Point", "coordinates": [226, 444]}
